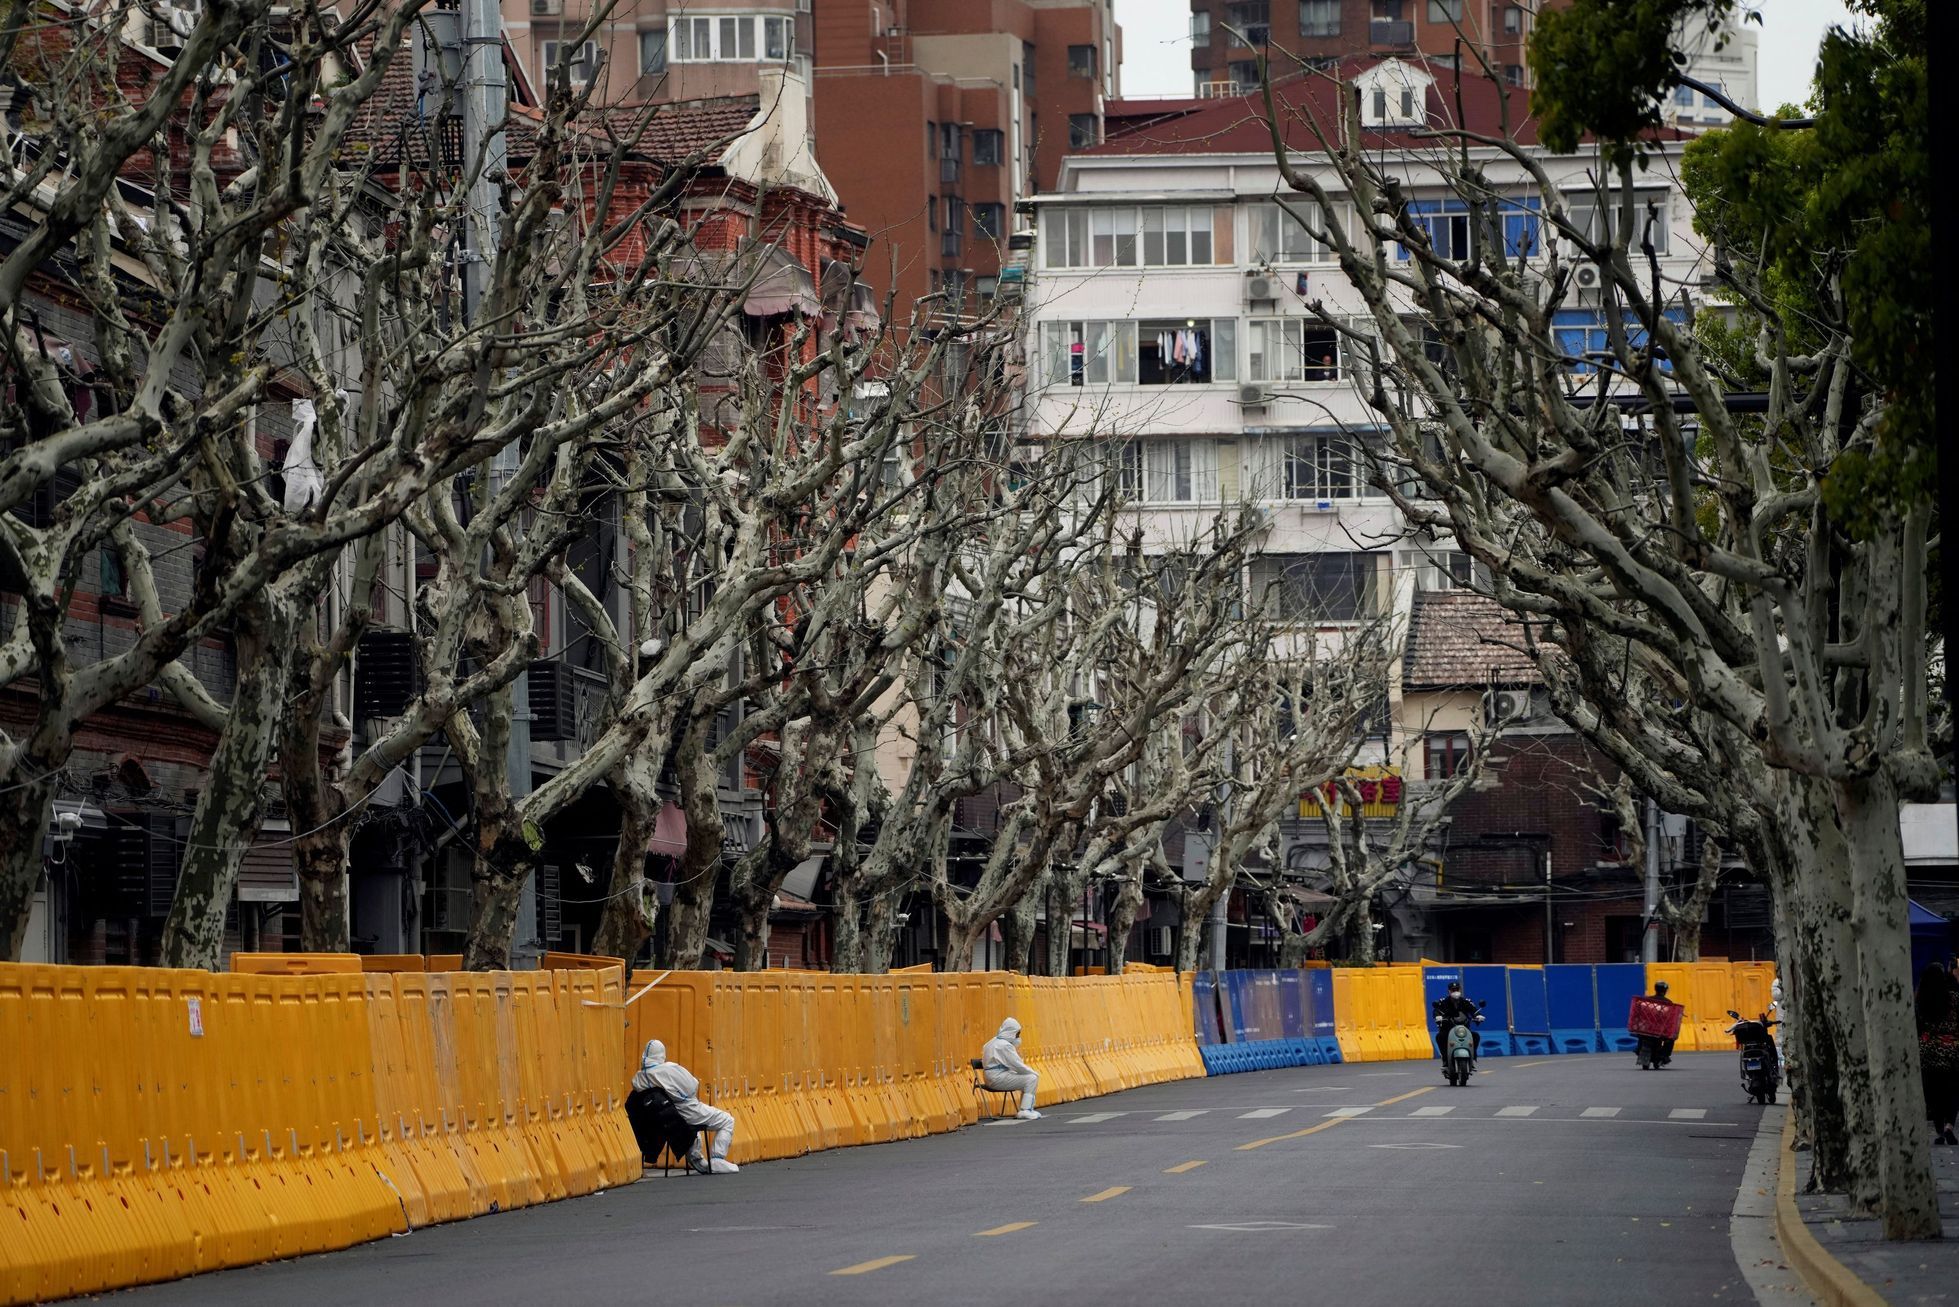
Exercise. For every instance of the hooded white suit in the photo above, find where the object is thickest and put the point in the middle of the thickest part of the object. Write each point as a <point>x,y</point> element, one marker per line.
<point>681,1086</point>
<point>1005,1069</point>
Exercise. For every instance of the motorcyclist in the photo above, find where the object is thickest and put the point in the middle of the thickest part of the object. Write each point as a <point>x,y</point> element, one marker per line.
<point>1450,1010</point>
<point>1666,1045</point>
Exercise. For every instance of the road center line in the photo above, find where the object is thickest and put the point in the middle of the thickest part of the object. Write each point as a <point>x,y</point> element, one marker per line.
<point>1402,1098</point>
<point>875,1264</point>
<point>1181,1167</point>
<point>1334,1121</point>
<point>1113,1191</point>
<point>1008,1228</point>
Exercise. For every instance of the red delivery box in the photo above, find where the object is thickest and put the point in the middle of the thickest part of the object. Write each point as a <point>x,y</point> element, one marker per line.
<point>1654,1017</point>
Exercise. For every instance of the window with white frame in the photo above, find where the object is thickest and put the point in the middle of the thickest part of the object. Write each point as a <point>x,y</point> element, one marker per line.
<point>1319,17</point>
<point>1319,468</point>
<point>1278,235</point>
<point>732,38</point>
<point>1080,237</point>
<point>1322,587</point>
<point>1585,213</point>
<point>1090,353</point>
<point>1186,351</point>
<point>1179,471</point>
<point>584,59</point>
<point>1293,349</point>
<point>1445,223</point>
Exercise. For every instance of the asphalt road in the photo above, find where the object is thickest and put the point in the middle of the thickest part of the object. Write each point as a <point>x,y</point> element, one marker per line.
<point>1547,1180</point>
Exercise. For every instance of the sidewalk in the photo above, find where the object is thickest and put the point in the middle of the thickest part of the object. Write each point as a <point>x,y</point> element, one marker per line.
<point>1901,1273</point>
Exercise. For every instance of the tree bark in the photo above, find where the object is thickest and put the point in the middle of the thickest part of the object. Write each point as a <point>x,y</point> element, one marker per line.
<point>228,809</point>
<point>320,858</point>
<point>504,861</point>
<point>880,933</point>
<point>700,864</point>
<point>630,913</point>
<point>1066,888</point>
<point>847,929</point>
<point>24,812</point>
<point>1122,920</point>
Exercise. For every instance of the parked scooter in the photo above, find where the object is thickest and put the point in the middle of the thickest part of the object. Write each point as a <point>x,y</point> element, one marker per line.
<point>1459,1046</point>
<point>1761,1064</point>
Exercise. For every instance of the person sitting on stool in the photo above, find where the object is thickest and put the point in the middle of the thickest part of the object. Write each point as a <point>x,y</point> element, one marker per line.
<point>680,1085</point>
<point>1006,1071</point>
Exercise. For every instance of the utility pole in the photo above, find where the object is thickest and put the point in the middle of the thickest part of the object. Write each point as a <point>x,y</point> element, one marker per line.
<point>1649,940</point>
<point>1550,926</point>
<point>485,166</point>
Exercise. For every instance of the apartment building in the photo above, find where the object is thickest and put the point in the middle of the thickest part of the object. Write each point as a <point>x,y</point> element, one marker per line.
<point>647,51</point>
<point>1227,35</point>
<point>1728,63</point>
<point>937,118</point>
<point>1167,315</point>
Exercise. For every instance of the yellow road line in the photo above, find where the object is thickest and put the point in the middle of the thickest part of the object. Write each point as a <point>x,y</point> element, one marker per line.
<point>1328,1125</point>
<point>1008,1228</point>
<point>1179,1170</point>
<point>875,1264</point>
<point>1113,1191</point>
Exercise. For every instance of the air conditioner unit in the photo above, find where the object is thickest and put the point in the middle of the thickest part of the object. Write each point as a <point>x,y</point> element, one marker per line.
<point>1587,276</point>
<point>547,7</point>
<point>1253,396</point>
<point>1159,941</point>
<point>1262,288</point>
<point>1516,707</point>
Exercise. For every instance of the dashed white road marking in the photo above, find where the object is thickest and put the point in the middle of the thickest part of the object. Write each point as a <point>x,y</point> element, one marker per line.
<point>1687,1114</point>
<point>1434,1111</point>
<point>1350,1111</point>
<point>1263,1113</point>
<point>1093,1117</point>
<point>1515,1111</point>
<point>1183,1116</point>
<point>1600,1111</point>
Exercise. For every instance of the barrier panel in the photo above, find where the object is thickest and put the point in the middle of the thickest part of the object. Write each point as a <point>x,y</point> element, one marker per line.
<point>1616,984</point>
<point>1571,1004</point>
<point>157,1123</point>
<point>1347,1016</point>
<point>1679,977</point>
<point>1320,1013</point>
<point>1530,1016</point>
<point>1754,985</point>
<point>1480,984</point>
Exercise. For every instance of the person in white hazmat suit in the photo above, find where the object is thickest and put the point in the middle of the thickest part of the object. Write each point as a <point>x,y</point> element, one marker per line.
<point>1005,1069</point>
<point>681,1086</point>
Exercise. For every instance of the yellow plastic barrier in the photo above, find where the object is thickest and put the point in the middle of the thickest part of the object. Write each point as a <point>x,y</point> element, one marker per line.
<point>1348,1021</point>
<point>1679,977</point>
<point>1753,987</point>
<point>159,1123</point>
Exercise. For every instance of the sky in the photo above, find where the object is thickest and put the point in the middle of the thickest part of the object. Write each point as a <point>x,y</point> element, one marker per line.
<point>1156,46</point>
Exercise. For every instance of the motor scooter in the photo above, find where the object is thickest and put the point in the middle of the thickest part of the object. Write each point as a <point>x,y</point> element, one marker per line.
<point>1458,1046</point>
<point>1761,1064</point>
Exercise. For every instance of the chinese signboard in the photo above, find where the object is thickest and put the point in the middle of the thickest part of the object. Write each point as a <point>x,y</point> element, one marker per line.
<point>1379,789</point>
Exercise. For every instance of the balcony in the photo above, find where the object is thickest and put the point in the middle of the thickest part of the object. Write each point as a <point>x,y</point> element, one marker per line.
<point>1388,32</point>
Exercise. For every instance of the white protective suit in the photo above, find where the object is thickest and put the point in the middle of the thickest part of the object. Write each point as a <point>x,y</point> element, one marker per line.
<point>1005,1069</point>
<point>681,1086</point>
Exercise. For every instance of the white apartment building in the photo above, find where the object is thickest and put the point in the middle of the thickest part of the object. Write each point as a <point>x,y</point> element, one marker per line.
<point>1167,309</point>
<point>1728,63</point>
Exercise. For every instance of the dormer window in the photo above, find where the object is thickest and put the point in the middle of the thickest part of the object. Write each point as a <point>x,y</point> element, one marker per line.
<point>1393,94</point>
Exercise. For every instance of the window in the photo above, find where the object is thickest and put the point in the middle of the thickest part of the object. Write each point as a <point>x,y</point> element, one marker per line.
<point>1318,468</point>
<point>1244,72</point>
<point>1114,238</point>
<point>1279,237</point>
<point>1090,353</point>
<point>989,220</point>
<point>1523,235</point>
<point>988,146</point>
<point>1082,130</point>
<point>1182,471</point>
<point>985,287</point>
<point>1252,18</point>
<point>1445,223</point>
<point>652,53</point>
<point>1445,11</point>
<point>1319,17</point>
<point>1200,28</point>
<point>1513,19</point>
<point>732,38</point>
<point>1579,333</point>
<point>1513,74</point>
<point>1186,352</point>
<point>1294,349</point>
<point>1328,587</point>
<point>1081,61</point>
<point>1027,64</point>
<point>1584,214</point>
<point>584,60</point>
<point>1444,755</point>
<point>1684,95</point>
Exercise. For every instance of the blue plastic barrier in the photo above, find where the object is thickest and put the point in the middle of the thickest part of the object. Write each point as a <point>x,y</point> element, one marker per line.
<point>1530,1017</point>
<point>1259,1020</point>
<point>1617,984</point>
<point>1480,984</point>
<point>1292,1020</point>
<point>1319,1014</point>
<point>1571,1004</point>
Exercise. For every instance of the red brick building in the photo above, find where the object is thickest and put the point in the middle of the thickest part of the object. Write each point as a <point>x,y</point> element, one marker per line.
<point>1228,35</point>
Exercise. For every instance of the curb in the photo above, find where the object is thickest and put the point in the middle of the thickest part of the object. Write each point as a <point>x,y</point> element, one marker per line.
<point>1833,1283</point>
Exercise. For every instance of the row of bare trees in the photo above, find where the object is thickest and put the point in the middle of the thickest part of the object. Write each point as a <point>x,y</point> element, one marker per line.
<point>824,536</point>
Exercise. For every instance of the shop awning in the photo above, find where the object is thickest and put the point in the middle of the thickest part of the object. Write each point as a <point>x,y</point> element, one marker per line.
<point>802,880</point>
<point>669,835</point>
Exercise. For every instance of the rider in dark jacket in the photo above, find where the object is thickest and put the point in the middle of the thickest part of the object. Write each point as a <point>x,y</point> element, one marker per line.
<point>1450,1010</point>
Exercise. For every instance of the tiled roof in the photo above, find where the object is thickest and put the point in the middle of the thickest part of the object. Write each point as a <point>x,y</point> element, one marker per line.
<point>1237,125</point>
<point>1456,638</point>
<point>684,127</point>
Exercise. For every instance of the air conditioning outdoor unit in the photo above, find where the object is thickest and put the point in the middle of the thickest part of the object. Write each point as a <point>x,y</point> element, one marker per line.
<point>1587,276</point>
<point>1159,941</point>
<point>1262,288</point>
<point>543,7</point>
<point>1253,396</point>
<point>1516,707</point>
